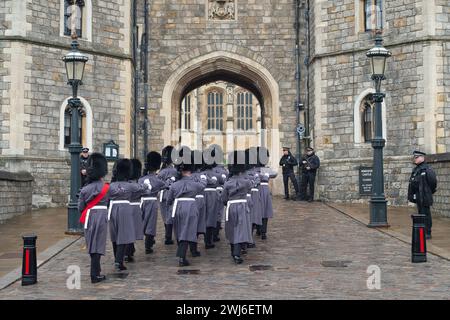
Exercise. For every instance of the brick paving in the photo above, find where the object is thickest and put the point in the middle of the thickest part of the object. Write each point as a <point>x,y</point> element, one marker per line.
<point>303,239</point>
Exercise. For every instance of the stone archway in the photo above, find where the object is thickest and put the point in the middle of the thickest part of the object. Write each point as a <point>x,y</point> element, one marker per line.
<point>232,67</point>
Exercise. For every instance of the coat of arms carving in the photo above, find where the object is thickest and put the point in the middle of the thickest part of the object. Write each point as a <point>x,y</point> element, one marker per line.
<point>221,10</point>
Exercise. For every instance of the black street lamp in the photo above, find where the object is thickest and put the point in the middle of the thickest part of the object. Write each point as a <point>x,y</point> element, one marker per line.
<point>75,62</point>
<point>378,206</point>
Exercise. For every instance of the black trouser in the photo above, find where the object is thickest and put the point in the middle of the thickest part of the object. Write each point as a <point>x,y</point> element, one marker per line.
<point>427,212</point>
<point>217,229</point>
<point>119,252</point>
<point>130,250</point>
<point>286,177</point>
<point>209,235</point>
<point>95,264</point>
<point>193,247</point>
<point>149,241</point>
<point>236,249</point>
<point>169,228</point>
<point>308,179</point>
<point>264,225</point>
<point>182,248</point>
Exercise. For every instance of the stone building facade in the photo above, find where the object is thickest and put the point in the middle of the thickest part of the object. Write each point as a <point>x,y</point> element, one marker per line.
<point>250,44</point>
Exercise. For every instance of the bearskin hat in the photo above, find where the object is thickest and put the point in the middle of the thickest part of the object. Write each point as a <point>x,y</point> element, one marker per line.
<point>263,156</point>
<point>212,156</point>
<point>166,155</point>
<point>136,169</point>
<point>97,166</point>
<point>122,170</point>
<point>185,159</point>
<point>237,162</point>
<point>153,162</point>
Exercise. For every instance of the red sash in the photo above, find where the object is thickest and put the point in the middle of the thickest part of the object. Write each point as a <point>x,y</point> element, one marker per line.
<point>94,202</point>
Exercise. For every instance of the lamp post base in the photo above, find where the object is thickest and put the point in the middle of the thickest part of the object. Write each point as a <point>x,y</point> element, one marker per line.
<point>378,213</point>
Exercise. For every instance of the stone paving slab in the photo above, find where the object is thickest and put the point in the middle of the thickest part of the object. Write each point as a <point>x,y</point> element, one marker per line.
<point>305,241</point>
<point>400,225</point>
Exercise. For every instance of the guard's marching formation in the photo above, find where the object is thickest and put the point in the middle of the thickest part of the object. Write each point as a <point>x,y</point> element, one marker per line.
<point>194,193</point>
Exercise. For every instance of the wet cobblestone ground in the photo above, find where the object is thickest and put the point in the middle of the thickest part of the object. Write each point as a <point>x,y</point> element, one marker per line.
<point>312,252</point>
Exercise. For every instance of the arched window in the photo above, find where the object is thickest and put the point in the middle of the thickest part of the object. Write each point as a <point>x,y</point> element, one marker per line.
<point>373,15</point>
<point>244,111</point>
<point>81,126</point>
<point>215,111</point>
<point>187,113</point>
<point>368,123</point>
<point>84,124</point>
<point>69,12</point>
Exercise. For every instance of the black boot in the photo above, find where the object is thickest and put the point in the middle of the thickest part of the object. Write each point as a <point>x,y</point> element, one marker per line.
<point>263,236</point>
<point>119,267</point>
<point>183,262</point>
<point>237,259</point>
<point>96,279</point>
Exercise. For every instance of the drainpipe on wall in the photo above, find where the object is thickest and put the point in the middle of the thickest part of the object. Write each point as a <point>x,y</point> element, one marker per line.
<point>298,105</point>
<point>307,62</point>
<point>136,78</point>
<point>145,65</point>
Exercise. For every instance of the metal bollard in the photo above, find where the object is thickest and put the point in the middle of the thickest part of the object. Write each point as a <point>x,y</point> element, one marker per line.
<point>418,245</point>
<point>29,260</point>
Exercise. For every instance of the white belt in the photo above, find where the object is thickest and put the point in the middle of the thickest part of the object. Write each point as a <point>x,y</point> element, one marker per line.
<point>89,211</point>
<point>147,199</point>
<point>230,202</point>
<point>255,189</point>
<point>210,189</point>
<point>220,188</point>
<point>161,196</point>
<point>113,202</point>
<point>175,204</point>
<point>264,183</point>
<point>135,203</point>
<point>199,196</point>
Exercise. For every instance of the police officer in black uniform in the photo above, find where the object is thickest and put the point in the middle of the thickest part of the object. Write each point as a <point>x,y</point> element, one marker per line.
<point>310,163</point>
<point>288,162</point>
<point>422,185</point>
<point>83,166</point>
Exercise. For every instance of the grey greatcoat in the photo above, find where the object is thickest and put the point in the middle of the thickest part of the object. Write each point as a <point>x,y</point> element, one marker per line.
<point>200,199</point>
<point>96,225</point>
<point>168,175</point>
<point>135,203</point>
<point>149,202</point>
<point>121,219</point>
<point>212,197</point>
<point>237,224</point>
<point>181,195</point>
<point>255,210</point>
<point>265,195</point>
<point>223,174</point>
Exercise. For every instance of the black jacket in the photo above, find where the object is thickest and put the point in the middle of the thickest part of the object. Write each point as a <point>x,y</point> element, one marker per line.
<point>312,161</point>
<point>422,185</point>
<point>288,163</point>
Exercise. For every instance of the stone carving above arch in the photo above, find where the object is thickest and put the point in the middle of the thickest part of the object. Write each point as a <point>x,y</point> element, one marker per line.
<point>222,10</point>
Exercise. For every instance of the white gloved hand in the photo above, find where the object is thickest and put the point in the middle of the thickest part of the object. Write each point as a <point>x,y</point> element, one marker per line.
<point>214,178</point>
<point>148,184</point>
<point>173,179</point>
<point>203,177</point>
<point>267,174</point>
<point>224,176</point>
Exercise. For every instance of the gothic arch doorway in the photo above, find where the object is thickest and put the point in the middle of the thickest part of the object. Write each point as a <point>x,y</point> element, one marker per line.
<point>232,68</point>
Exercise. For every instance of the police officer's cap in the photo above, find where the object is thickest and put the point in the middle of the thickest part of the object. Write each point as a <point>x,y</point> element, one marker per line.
<point>309,149</point>
<point>419,153</point>
<point>85,149</point>
<point>286,148</point>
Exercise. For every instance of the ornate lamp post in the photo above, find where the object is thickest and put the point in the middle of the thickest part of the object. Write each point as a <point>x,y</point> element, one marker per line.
<point>75,62</point>
<point>378,208</point>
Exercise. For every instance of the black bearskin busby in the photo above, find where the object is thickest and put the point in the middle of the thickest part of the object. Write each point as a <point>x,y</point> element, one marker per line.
<point>153,162</point>
<point>263,156</point>
<point>122,170</point>
<point>166,156</point>
<point>237,162</point>
<point>136,169</point>
<point>97,167</point>
<point>184,160</point>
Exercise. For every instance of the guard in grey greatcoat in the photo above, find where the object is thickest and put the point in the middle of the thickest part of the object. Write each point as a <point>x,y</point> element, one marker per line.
<point>222,172</point>
<point>120,214</point>
<point>181,195</point>
<point>135,203</point>
<point>252,173</point>
<point>92,203</point>
<point>199,176</point>
<point>212,203</point>
<point>168,174</point>
<point>149,202</point>
<point>264,191</point>
<point>234,195</point>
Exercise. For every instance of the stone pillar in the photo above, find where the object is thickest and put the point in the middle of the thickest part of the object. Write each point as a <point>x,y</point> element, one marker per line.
<point>230,119</point>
